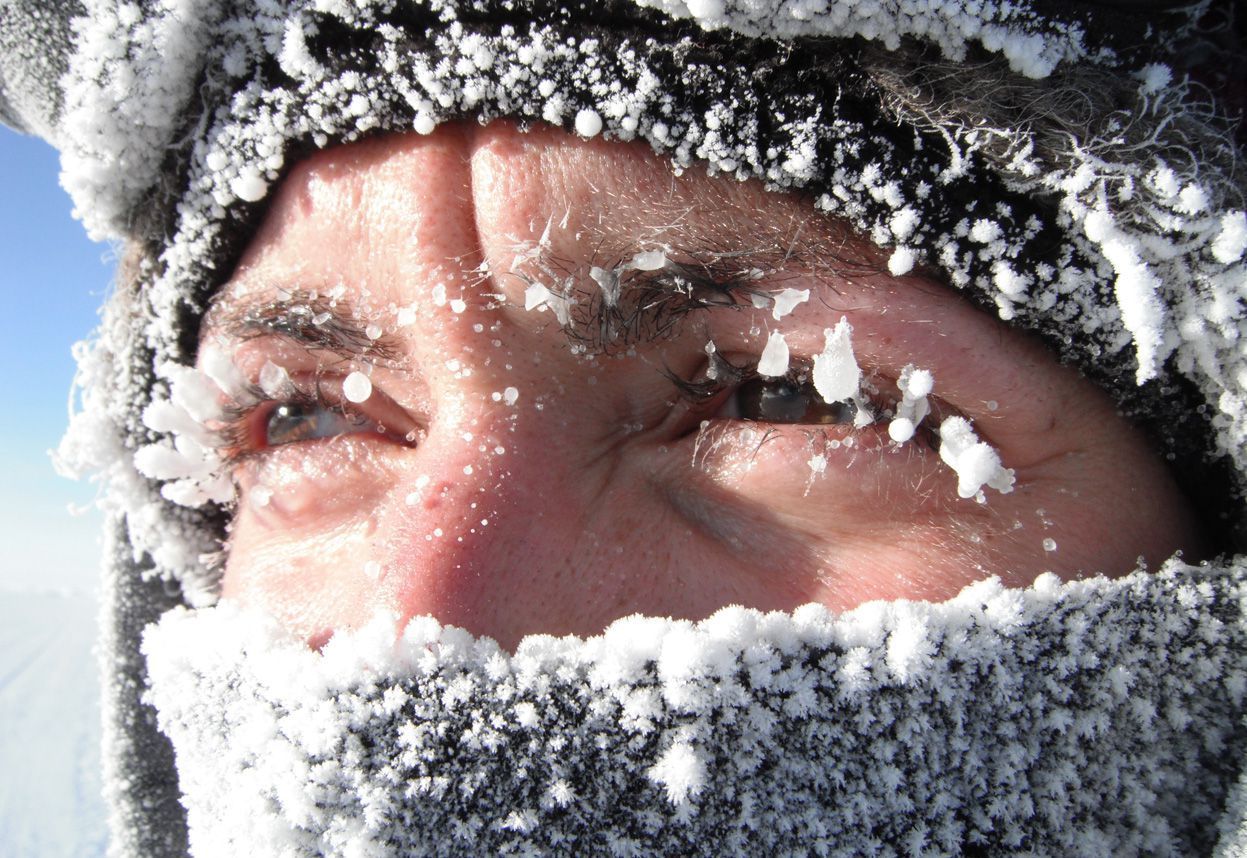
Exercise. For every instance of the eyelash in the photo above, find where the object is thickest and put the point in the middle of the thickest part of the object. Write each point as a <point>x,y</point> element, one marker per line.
<point>654,303</point>
<point>723,377</point>
<point>243,436</point>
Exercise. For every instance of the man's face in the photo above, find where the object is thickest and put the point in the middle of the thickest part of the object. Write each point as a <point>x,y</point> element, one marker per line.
<point>440,431</point>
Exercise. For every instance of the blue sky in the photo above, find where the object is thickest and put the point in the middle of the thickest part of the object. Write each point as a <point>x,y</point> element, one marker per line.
<point>52,281</point>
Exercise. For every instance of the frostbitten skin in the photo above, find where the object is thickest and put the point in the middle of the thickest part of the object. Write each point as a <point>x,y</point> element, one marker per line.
<point>511,474</point>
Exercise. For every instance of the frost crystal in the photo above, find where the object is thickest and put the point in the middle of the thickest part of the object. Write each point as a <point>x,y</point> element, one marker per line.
<point>681,771</point>
<point>745,733</point>
<point>977,464</point>
<point>837,376</point>
<point>774,360</point>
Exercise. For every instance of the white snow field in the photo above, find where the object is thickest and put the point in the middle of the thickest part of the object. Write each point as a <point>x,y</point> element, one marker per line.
<point>50,803</point>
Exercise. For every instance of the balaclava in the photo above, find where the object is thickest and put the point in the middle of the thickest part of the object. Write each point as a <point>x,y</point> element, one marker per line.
<point>1096,717</point>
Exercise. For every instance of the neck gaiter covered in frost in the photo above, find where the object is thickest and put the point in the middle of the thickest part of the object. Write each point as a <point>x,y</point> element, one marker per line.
<point>1089,718</point>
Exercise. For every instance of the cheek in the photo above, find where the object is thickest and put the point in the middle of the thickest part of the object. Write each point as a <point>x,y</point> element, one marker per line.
<point>847,517</point>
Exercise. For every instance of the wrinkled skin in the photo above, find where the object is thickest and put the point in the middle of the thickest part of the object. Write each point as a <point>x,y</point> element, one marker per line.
<point>594,491</point>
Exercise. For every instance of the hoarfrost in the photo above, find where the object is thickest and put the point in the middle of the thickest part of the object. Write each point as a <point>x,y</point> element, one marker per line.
<point>774,360</point>
<point>902,261</point>
<point>588,123</point>
<point>1227,248</point>
<point>681,771</point>
<point>701,738</point>
<point>837,377</point>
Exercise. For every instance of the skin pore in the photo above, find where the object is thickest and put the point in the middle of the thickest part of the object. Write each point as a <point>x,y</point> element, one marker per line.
<point>512,474</point>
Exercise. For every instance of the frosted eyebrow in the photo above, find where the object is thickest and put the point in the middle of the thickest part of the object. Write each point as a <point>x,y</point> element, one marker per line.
<point>650,305</point>
<point>308,319</point>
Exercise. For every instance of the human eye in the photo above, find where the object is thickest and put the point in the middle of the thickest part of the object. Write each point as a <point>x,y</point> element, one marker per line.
<point>789,399</point>
<point>733,390</point>
<point>819,427</point>
<point>304,410</point>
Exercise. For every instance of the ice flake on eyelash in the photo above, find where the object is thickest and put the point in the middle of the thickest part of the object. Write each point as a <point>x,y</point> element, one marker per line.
<point>649,260</point>
<point>837,377</point>
<point>774,360</point>
<point>608,280</point>
<point>915,384</point>
<point>538,296</point>
<point>976,463</point>
<point>275,381</point>
<point>406,316</point>
<point>787,301</point>
<point>357,387</point>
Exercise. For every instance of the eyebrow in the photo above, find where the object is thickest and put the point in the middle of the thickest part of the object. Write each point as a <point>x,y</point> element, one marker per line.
<point>310,319</point>
<point>652,305</point>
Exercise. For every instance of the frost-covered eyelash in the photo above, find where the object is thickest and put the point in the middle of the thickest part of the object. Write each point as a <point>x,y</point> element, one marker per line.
<point>722,376</point>
<point>627,304</point>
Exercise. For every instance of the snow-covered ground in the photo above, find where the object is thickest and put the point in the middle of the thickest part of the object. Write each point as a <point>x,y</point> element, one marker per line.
<point>50,802</point>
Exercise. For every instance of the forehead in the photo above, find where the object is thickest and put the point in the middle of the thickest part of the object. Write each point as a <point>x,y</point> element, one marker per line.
<point>384,216</point>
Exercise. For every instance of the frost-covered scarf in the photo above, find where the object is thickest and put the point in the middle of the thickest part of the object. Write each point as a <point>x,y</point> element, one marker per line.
<point>1050,158</point>
<point>1093,718</point>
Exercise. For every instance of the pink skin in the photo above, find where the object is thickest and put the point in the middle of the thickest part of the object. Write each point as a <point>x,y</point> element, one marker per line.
<point>604,501</point>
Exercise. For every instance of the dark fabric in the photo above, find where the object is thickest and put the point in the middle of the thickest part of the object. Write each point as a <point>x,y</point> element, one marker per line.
<point>140,777</point>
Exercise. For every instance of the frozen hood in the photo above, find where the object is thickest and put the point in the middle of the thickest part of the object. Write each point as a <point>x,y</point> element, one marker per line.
<point>1085,718</point>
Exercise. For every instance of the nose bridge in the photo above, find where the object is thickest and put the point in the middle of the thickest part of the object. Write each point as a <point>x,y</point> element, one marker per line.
<point>487,525</point>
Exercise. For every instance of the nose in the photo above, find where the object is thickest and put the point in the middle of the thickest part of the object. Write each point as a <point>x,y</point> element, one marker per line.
<point>523,524</point>
<point>526,510</point>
